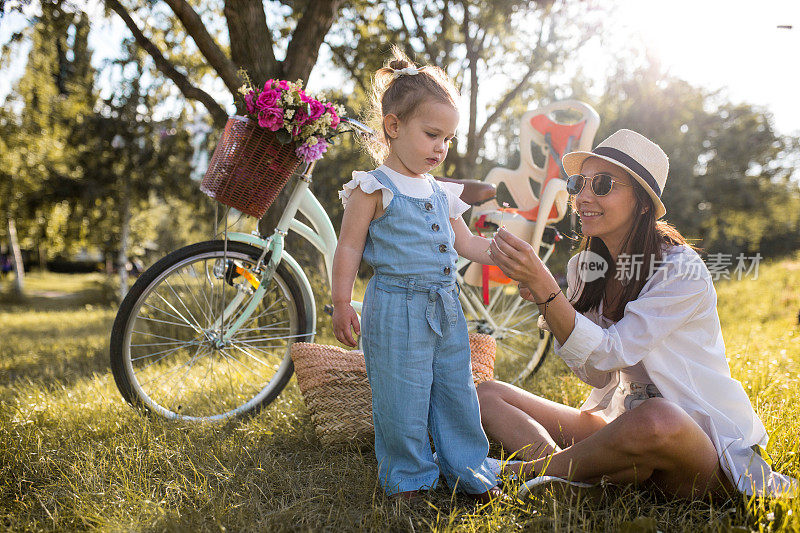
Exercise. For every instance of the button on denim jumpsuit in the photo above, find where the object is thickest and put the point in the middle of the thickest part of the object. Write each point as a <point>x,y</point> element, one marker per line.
<point>417,351</point>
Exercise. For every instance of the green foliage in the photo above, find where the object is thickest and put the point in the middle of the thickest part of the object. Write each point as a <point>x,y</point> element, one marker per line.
<point>39,158</point>
<point>73,164</point>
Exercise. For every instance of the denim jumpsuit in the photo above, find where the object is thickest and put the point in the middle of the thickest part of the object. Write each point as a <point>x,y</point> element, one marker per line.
<point>417,351</point>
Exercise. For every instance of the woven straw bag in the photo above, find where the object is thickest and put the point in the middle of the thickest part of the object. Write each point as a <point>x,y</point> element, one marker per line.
<point>336,391</point>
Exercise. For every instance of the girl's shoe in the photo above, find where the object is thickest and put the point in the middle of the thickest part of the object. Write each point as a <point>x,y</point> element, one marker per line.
<point>557,484</point>
<point>495,465</point>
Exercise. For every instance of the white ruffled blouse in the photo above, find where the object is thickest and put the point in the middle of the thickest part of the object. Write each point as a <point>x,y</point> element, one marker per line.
<point>672,330</point>
<point>414,187</point>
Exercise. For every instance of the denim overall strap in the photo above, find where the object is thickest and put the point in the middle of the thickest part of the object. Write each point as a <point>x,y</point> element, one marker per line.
<point>385,180</point>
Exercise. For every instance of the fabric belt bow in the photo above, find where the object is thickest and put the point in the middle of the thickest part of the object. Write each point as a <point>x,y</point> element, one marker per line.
<point>448,303</point>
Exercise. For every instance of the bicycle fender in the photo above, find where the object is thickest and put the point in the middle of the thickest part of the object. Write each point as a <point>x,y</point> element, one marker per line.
<point>305,286</point>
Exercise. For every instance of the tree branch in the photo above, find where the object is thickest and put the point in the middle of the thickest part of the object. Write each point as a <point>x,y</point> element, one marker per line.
<point>472,60</point>
<point>402,19</point>
<point>208,47</point>
<point>308,36</point>
<point>510,95</point>
<point>420,32</point>
<point>246,22</point>
<point>445,24</point>
<point>351,67</point>
<point>184,85</point>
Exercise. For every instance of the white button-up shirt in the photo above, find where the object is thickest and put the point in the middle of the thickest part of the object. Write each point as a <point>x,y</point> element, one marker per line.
<point>672,328</point>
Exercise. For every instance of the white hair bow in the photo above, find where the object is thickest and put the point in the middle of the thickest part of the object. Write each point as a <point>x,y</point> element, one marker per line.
<point>408,71</point>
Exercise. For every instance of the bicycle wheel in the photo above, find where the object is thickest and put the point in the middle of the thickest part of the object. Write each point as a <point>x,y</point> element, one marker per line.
<point>167,352</point>
<point>521,350</point>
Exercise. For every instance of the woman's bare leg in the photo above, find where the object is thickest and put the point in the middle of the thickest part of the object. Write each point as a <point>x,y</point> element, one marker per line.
<point>523,421</point>
<point>656,441</point>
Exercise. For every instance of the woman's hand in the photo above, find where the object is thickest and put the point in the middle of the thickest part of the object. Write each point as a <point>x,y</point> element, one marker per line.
<point>525,293</point>
<point>345,317</point>
<point>517,260</point>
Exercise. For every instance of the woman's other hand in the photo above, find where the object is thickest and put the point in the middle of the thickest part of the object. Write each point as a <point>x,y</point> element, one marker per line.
<point>524,292</point>
<point>345,318</point>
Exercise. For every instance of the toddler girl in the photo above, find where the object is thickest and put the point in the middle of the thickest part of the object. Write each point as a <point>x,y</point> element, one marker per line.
<point>408,227</point>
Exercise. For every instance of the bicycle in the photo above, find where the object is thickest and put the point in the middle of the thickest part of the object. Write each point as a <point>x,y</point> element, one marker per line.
<point>205,333</point>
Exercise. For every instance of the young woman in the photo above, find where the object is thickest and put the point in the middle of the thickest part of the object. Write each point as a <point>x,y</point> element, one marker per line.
<point>644,333</point>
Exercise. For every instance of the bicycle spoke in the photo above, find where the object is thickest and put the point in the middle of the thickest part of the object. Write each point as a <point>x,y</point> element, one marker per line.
<point>520,319</point>
<point>157,344</point>
<point>165,322</point>
<point>267,327</point>
<point>174,371</point>
<point>195,326</point>
<point>167,352</point>
<point>251,356</point>
<point>156,336</point>
<point>146,304</point>
<point>261,348</point>
<point>182,389</point>
<point>197,322</point>
<point>202,292</point>
<point>230,357</point>
<point>507,346</point>
<point>199,307</point>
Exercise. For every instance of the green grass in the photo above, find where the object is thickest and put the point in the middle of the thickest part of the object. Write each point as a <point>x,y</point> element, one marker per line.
<point>73,455</point>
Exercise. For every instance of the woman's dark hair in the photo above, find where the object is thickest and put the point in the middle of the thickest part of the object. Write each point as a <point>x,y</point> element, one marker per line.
<point>645,240</point>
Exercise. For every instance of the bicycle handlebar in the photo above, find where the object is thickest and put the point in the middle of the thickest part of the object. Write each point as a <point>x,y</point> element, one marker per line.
<point>359,127</point>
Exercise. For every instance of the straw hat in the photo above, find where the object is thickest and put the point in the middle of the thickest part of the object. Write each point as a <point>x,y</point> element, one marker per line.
<point>637,155</point>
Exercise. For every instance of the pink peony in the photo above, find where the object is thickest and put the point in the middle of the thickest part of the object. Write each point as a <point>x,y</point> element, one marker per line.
<point>317,109</point>
<point>250,101</point>
<point>313,152</point>
<point>267,99</point>
<point>271,118</point>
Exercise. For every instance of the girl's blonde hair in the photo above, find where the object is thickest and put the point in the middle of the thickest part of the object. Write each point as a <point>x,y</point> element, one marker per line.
<point>402,96</point>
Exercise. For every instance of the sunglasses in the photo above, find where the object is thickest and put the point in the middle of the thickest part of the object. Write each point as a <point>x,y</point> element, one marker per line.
<point>601,184</point>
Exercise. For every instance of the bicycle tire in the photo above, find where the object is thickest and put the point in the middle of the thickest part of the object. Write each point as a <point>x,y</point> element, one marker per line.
<point>174,306</point>
<point>521,351</point>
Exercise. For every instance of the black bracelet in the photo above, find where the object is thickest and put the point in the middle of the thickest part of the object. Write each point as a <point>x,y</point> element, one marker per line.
<point>552,297</point>
<point>544,303</point>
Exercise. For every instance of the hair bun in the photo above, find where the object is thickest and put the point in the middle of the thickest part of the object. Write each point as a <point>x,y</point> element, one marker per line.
<point>399,64</point>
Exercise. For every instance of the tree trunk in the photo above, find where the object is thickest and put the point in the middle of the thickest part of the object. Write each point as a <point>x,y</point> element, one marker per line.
<point>125,208</point>
<point>16,258</point>
<point>308,36</point>
<point>42,257</point>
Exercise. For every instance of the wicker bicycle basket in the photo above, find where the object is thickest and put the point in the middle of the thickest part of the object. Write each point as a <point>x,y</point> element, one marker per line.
<point>336,391</point>
<point>249,167</point>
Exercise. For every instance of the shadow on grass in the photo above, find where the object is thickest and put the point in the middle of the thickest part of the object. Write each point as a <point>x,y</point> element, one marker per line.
<point>57,332</point>
<point>55,300</point>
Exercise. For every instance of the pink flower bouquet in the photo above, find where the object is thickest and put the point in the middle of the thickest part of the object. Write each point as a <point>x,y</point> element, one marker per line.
<point>283,107</point>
